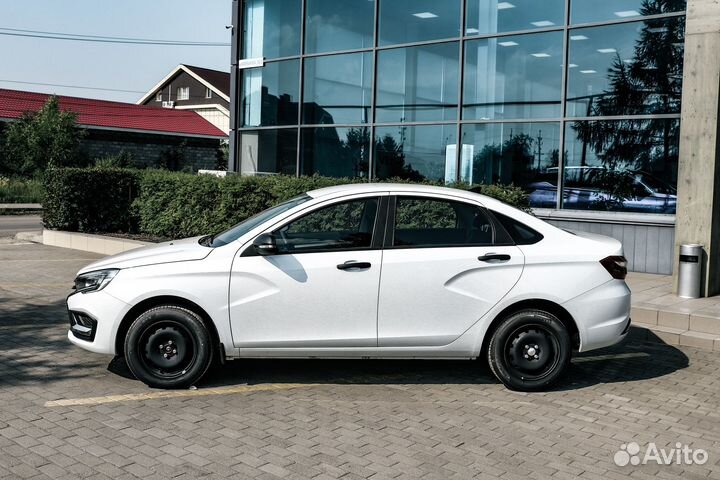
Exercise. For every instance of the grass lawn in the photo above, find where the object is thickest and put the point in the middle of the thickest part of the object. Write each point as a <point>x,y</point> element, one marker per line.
<point>20,190</point>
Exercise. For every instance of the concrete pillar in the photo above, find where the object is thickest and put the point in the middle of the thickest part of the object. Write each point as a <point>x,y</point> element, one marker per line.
<point>235,94</point>
<point>698,207</point>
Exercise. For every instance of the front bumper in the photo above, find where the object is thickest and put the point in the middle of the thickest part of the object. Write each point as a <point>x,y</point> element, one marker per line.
<point>94,320</point>
<point>82,326</point>
<point>602,315</point>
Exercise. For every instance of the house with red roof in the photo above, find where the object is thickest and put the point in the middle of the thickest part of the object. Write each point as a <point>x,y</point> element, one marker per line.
<point>141,131</point>
<point>201,90</point>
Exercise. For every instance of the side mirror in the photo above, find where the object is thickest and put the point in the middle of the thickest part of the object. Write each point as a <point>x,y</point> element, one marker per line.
<point>265,244</point>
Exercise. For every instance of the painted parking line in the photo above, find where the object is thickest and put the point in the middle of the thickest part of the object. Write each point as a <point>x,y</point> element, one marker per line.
<point>138,397</point>
<point>47,260</point>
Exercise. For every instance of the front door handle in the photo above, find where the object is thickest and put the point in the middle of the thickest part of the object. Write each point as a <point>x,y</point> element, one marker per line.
<point>352,264</point>
<point>494,257</point>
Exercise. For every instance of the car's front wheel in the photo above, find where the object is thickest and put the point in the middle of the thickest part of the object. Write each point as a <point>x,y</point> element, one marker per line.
<point>529,350</point>
<point>168,347</point>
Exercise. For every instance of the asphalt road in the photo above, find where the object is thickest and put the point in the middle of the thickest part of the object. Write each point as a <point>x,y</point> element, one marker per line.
<point>12,224</point>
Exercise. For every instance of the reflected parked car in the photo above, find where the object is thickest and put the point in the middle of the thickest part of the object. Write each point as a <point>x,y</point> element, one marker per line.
<point>583,191</point>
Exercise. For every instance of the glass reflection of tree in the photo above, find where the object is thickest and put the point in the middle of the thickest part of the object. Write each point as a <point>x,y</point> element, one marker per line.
<point>648,83</point>
<point>391,159</point>
<point>340,156</point>
<point>355,150</point>
<point>518,160</point>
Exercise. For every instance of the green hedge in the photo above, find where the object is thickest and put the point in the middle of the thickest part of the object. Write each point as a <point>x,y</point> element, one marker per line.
<point>90,199</point>
<point>175,205</point>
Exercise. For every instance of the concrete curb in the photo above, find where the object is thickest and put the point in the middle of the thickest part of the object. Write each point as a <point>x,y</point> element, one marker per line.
<point>675,337</point>
<point>90,243</point>
<point>20,206</point>
<point>34,237</point>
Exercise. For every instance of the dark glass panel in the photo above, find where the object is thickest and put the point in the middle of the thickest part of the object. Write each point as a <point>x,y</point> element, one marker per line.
<point>524,154</point>
<point>422,152</point>
<point>513,77</point>
<point>337,89</point>
<point>586,11</point>
<point>268,151</point>
<point>418,83</point>
<point>425,222</point>
<point>335,152</point>
<point>341,226</point>
<point>407,21</point>
<point>270,94</point>
<point>332,25</point>
<point>494,16</point>
<point>520,233</point>
<point>271,28</point>
<point>627,69</point>
<point>626,165</point>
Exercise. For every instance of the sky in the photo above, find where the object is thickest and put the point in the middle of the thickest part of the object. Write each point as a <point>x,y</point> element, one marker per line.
<point>106,65</point>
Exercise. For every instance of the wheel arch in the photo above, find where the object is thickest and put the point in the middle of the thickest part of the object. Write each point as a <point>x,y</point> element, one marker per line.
<point>153,302</point>
<point>534,303</point>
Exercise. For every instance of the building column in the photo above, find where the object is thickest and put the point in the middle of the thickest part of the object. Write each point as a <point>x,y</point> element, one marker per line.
<point>698,205</point>
<point>235,95</point>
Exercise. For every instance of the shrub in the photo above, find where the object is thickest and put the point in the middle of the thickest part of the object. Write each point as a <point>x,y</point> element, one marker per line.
<point>13,190</point>
<point>175,205</point>
<point>49,137</point>
<point>90,199</point>
<point>119,160</point>
<point>509,194</point>
<point>172,204</point>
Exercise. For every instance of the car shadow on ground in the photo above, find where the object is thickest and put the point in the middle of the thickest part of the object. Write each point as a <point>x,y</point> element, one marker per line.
<point>629,361</point>
<point>641,356</point>
<point>34,348</point>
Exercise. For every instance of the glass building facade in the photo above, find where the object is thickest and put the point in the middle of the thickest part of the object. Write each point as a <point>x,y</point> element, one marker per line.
<point>575,101</point>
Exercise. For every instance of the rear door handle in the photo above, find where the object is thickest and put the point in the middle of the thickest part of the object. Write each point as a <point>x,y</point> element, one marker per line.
<point>494,257</point>
<point>352,264</point>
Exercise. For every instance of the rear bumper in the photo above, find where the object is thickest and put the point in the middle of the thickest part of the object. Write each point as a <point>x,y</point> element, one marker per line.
<point>602,315</point>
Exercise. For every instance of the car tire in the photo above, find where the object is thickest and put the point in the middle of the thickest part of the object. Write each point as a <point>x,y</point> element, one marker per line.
<point>168,347</point>
<point>529,350</point>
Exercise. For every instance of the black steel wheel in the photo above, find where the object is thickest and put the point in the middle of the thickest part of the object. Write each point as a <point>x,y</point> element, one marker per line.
<point>168,347</point>
<point>529,350</point>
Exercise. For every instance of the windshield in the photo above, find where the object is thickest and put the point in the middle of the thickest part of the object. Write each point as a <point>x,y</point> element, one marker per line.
<point>655,184</point>
<point>245,226</point>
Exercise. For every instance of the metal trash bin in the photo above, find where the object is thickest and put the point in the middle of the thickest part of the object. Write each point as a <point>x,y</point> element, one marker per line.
<point>690,271</point>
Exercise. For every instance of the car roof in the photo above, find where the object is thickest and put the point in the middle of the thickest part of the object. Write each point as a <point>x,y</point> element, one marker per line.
<point>354,188</point>
<point>488,202</point>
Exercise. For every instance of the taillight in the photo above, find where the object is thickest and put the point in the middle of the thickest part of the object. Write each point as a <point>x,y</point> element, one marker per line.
<point>616,266</point>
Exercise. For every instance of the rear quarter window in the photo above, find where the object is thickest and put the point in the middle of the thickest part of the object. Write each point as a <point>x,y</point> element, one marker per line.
<point>518,231</point>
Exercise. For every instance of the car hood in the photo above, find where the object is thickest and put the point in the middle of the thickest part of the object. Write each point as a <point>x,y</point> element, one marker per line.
<point>173,251</point>
<point>607,245</point>
<point>670,196</point>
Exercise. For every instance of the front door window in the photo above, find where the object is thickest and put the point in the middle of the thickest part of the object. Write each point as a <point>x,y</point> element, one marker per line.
<point>341,226</point>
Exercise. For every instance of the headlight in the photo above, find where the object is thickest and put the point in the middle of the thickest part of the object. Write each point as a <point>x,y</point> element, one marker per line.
<point>94,281</point>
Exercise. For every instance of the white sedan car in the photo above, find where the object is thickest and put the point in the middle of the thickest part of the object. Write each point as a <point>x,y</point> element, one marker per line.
<point>360,271</point>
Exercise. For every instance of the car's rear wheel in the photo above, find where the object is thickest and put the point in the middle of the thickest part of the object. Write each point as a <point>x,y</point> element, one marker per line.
<point>168,347</point>
<point>529,350</point>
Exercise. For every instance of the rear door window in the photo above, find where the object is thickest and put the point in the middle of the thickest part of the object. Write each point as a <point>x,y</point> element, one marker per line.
<point>432,222</point>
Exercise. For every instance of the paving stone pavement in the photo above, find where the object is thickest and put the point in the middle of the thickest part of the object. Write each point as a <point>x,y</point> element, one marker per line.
<point>335,419</point>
